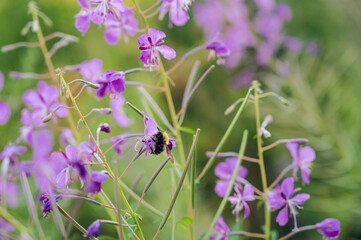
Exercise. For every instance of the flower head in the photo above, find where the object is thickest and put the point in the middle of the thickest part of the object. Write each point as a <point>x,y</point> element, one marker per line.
<point>112,81</point>
<point>149,45</point>
<point>329,228</point>
<point>45,199</point>
<point>43,102</point>
<point>93,229</point>
<point>124,26</point>
<point>283,196</point>
<point>240,198</point>
<point>178,14</point>
<point>262,130</point>
<point>94,182</point>
<point>219,49</point>
<point>224,171</point>
<point>222,230</point>
<point>302,158</point>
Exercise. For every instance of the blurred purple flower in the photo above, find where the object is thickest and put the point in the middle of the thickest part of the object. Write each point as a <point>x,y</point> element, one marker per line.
<point>27,131</point>
<point>224,171</point>
<point>91,70</point>
<point>67,137</point>
<point>64,163</point>
<point>293,44</point>
<point>87,151</point>
<point>112,81</point>
<point>11,151</point>
<point>5,226</point>
<point>218,49</point>
<point>126,26</point>
<point>283,11</point>
<point>150,44</point>
<point>116,103</point>
<point>282,196</point>
<point>4,108</point>
<point>240,198</point>
<point>119,140</point>
<point>312,47</point>
<point>329,228</point>
<point>221,230</point>
<point>94,182</point>
<point>243,78</point>
<point>43,102</point>
<point>93,229</point>
<point>302,158</point>
<point>9,190</point>
<point>177,9</point>
<point>45,199</point>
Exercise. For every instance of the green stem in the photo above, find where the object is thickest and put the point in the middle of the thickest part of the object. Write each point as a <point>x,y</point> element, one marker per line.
<point>248,234</point>
<point>230,187</point>
<point>12,220</point>
<point>226,135</point>
<point>267,214</point>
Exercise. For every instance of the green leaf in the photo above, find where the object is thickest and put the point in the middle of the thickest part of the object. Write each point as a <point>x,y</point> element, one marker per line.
<point>185,222</point>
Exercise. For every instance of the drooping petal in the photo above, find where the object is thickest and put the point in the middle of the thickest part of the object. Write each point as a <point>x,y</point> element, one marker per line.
<point>282,217</point>
<point>71,153</point>
<point>246,210</point>
<point>301,198</point>
<point>167,52</point>
<point>150,126</point>
<point>307,154</point>
<point>112,35</point>
<point>82,23</point>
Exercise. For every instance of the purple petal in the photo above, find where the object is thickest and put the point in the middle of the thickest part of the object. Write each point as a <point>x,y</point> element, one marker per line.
<point>178,16</point>
<point>248,192</point>
<point>287,187</point>
<point>282,217</point>
<point>167,52</point>
<point>329,227</point>
<point>246,210</point>
<point>301,198</point>
<point>42,145</point>
<point>118,4</point>
<point>84,4</point>
<point>155,35</point>
<point>150,126</point>
<point>93,229</point>
<point>71,153</point>
<point>5,113</point>
<point>48,93</point>
<point>275,200</point>
<point>82,23</point>
<point>98,176</point>
<point>63,178</point>
<point>112,35</point>
<point>90,70</point>
<point>117,83</point>
<point>221,187</point>
<point>307,154</point>
<point>305,173</point>
<point>221,226</point>
<point>32,99</point>
<point>143,40</point>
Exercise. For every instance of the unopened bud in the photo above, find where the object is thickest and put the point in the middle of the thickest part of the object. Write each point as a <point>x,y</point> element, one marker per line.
<point>104,127</point>
<point>47,118</point>
<point>92,85</point>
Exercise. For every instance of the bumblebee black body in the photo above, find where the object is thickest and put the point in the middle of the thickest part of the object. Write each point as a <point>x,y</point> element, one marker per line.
<point>159,142</point>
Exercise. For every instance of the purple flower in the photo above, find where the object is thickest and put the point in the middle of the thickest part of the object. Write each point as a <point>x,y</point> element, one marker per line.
<point>104,127</point>
<point>93,229</point>
<point>45,199</point>
<point>64,163</point>
<point>126,26</point>
<point>91,70</point>
<point>240,199</point>
<point>29,127</point>
<point>9,190</point>
<point>224,172</point>
<point>222,230</point>
<point>112,81</point>
<point>302,158</point>
<point>149,45</point>
<point>4,108</point>
<point>119,140</point>
<point>329,228</point>
<point>11,151</point>
<point>43,102</point>
<point>66,137</point>
<point>177,9</point>
<point>219,49</point>
<point>87,151</point>
<point>262,130</point>
<point>116,103</point>
<point>293,44</point>
<point>283,197</point>
<point>94,182</point>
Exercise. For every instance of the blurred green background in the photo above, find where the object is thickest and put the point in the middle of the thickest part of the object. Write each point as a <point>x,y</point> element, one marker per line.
<point>324,91</point>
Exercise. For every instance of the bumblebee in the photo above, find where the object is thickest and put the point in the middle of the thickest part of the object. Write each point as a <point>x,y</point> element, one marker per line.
<point>159,142</point>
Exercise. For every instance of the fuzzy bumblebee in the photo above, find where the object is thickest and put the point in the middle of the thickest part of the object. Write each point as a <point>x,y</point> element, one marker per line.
<point>159,142</point>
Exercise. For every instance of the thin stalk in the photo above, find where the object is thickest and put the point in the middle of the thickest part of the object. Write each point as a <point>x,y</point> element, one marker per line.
<point>31,205</point>
<point>248,234</point>
<point>301,229</point>
<point>174,212</point>
<point>280,177</point>
<point>116,199</point>
<point>230,187</point>
<point>232,154</point>
<point>141,15</point>
<point>272,145</point>
<point>193,185</point>
<point>180,184</point>
<point>225,137</point>
<point>106,165</point>
<point>39,33</point>
<point>267,214</point>
<point>185,56</point>
<point>151,7</point>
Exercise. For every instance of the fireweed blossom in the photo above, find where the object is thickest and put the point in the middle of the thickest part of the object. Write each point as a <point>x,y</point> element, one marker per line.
<point>282,197</point>
<point>149,45</point>
<point>111,81</point>
<point>94,182</point>
<point>45,199</point>
<point>64,163</point>
<point>88,150</point>
<point>4,108</point>
<point>221,230</point>
<point>151,139</point>
<point>96,14</point>
<point>302,158</point>
<point>218,49</point>
<point>120,141</point>
<point>177,9</point>
<point>43,102</point>
<point>10,160</point>
<point>93,229</point>
<point>240,198</point>
<point>224,171</point>
<point>329,228</point>
<point>117,102</point>
<point>124,26</point>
